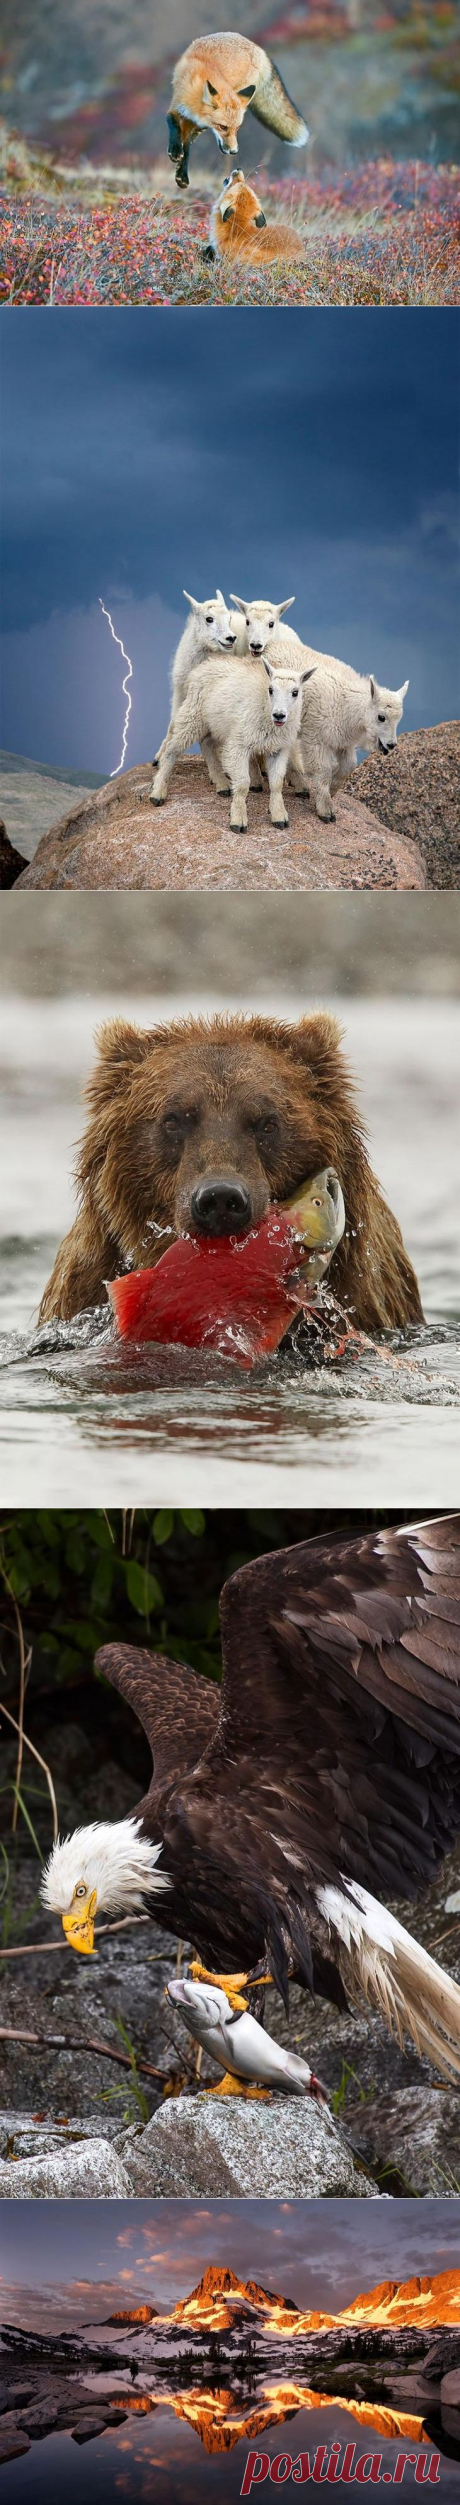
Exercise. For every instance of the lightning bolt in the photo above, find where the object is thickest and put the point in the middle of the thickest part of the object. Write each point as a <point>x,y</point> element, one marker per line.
<point>117,769</point>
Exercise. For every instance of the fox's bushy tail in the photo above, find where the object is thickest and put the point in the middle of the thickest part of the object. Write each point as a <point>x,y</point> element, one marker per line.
<point>272,106</point>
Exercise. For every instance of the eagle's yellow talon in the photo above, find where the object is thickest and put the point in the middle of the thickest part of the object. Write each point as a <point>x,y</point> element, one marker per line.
<point>231,2086</point>
<point>228,1983</point>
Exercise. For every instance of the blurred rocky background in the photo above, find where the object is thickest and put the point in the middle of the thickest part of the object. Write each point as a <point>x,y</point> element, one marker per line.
<point>373,77</point>
<point>313,947</point>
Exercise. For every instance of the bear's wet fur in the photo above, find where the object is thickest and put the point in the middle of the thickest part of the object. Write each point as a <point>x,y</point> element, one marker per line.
<point>245,1098</point>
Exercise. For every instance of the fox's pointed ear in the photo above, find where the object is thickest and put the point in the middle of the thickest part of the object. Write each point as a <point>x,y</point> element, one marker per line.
<point>285,604</point>
<point>238,604</point>
<point>193,604</point>
<point>209,93</point>
<point>248,91</point>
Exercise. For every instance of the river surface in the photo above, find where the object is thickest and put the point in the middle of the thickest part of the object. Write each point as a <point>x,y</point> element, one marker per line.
<point>71,1434</point>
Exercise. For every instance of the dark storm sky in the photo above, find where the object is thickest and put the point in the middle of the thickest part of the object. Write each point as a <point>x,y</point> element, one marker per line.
<point>297,451</point>
<point>83,2255</point>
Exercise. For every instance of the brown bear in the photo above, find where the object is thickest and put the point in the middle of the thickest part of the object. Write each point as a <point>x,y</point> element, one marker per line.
<point>197,1127</point>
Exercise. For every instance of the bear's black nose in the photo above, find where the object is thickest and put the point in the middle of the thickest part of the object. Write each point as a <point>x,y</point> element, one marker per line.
<point>219,1207</point>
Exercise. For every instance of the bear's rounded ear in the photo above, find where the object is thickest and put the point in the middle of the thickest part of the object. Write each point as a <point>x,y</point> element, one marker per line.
<point>122,1044</point>
<point>120,1049</point>
<point>317,1041</point>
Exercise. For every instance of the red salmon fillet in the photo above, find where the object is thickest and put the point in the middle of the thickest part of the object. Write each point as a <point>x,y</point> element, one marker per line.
<point>234,1293</point>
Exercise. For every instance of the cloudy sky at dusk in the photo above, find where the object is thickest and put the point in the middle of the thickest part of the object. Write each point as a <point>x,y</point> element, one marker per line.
<point>83,2257</point>
<point>140,454</point>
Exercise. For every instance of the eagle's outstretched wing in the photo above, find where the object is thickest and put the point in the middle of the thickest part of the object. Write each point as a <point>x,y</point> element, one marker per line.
<point>178,1710</point>
<point>338,1738</point>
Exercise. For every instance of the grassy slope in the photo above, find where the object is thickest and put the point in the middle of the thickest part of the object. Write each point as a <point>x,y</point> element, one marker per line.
<point>379,233</point>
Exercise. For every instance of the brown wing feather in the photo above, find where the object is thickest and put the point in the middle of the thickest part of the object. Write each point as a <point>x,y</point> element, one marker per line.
<point>178,1710</point>
<point>344,1741</point>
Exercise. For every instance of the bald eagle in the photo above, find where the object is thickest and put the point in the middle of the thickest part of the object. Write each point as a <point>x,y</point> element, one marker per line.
<point>321,1778</point>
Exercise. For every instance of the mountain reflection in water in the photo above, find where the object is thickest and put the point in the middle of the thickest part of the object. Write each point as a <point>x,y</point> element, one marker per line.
<point>155,2453</point>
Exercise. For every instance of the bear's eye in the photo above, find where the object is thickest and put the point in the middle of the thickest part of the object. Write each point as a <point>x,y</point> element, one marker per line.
<point>173,1125</point>
<point>381,717</point>
<point>267,1126</point>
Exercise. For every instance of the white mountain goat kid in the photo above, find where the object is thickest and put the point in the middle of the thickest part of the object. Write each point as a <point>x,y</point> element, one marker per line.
<point>246,711</point>
<point>210,628</point>
<point>344,712</point>
<point>261,623</point>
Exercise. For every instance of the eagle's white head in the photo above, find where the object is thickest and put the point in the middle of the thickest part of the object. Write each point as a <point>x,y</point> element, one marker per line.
<point>110,1867</point>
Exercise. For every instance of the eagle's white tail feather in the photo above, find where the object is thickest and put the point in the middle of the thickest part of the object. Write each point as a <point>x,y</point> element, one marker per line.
<point>396,1974</point>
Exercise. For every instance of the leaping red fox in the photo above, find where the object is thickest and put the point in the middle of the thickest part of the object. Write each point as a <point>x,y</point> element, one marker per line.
<point>215,81</point>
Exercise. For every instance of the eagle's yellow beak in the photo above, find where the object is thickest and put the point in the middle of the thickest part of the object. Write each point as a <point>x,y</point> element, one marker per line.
<point>79,1923</point>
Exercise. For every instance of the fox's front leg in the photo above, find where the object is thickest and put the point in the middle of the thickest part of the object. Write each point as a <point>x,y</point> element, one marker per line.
<point>180,138</point>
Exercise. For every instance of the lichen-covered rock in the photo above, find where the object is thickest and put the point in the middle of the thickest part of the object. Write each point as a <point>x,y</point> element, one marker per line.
<point>410,2139</point>
<point>91,2171</point>
<point>21,2136</point>
<point>288,2149</point>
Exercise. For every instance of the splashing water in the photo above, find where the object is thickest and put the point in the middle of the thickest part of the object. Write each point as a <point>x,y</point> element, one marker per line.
<point>117,769</point>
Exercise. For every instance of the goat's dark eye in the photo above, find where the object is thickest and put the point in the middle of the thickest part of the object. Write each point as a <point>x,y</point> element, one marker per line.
<point>381,717</point>
<point>271,622</point>
<point>210,621</point>
<point>295,691</point>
